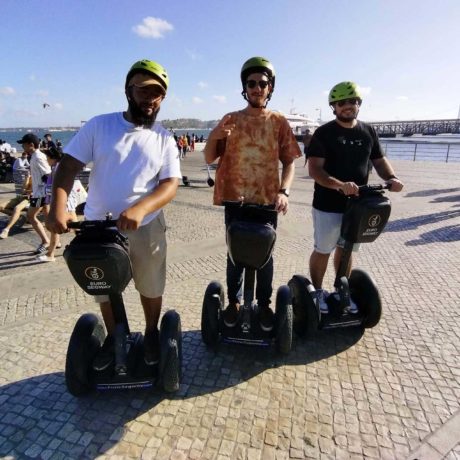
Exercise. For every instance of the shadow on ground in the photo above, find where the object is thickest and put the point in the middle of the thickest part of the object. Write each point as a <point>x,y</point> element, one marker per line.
<point>40,418</point>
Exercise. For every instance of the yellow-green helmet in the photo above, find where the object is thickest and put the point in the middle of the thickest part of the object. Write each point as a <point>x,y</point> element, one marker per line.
<point>258,65</point>
<point>151,67</point>
<point>344,90</point>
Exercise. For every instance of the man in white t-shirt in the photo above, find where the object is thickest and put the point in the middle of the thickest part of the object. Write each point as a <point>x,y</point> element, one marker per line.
<point>135,173</point>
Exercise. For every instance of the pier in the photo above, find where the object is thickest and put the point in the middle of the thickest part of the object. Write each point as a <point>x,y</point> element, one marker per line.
<point>408,128</point>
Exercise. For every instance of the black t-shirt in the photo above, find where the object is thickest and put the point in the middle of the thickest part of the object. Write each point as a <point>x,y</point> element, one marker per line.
<point>347,152</point>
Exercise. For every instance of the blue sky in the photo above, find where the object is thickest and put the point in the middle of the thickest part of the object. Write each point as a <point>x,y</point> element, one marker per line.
<point>74,55</point>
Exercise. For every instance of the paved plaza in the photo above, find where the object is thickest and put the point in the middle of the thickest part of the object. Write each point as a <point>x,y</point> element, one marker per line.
<point>390,393</point>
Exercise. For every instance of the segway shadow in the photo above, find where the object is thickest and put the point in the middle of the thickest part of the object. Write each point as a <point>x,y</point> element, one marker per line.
<point>364,219</point>
<point>99,262</point>
<point>250,244</point>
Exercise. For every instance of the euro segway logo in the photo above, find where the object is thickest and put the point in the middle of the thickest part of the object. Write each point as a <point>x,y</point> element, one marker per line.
<point>374,220</point>
<point>94,273</point>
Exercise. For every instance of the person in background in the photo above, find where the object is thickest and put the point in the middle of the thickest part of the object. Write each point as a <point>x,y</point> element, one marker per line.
<point>47,143</point>
<point>306,142</point>
<point>39,171</point>
<point>339,154</point>
<point>15,206</point>
<point>135,173</point>
<point>250,144</point>
<point>21,163</point>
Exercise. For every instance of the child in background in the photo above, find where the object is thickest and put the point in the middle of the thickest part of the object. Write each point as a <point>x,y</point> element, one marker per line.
<point>54,156</point>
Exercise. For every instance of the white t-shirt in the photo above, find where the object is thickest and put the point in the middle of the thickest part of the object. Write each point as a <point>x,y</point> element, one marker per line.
<point>127,163</point>
<point>39,166</point>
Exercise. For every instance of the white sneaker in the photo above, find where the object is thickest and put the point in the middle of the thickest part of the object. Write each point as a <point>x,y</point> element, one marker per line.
<point>321,295</point>
<point>45,258</point>
<point>4,234</point>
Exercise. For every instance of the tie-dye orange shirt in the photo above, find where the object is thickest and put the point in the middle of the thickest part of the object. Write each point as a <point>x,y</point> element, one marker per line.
<point>248,167</point>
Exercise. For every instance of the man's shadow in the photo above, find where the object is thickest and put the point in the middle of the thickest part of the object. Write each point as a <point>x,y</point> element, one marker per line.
<point>41,408</point>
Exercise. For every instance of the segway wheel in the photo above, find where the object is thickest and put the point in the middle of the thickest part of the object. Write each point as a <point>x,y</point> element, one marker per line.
<point>305,312</point>
<point>85,341</point>
<point>365,294</point>
<point>283,321</point>
<point>171,351</point>
<point>210,315</point>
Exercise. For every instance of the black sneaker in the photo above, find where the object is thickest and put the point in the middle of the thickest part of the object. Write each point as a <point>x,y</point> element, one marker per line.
<point>106,354</point>
<point>152,347</point>
<point>41,249</point>
<point>266,318</point>
<point>230,314</point>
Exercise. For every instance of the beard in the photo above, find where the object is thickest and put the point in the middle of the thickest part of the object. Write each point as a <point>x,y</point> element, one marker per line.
<point>140,118</point>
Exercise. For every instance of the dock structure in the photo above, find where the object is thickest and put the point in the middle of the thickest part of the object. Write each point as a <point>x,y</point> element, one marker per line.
<point>408,128</point>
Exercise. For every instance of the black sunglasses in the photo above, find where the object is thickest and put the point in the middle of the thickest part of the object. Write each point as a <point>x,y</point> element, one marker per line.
<point>253,83</point>
<point>352,101</point>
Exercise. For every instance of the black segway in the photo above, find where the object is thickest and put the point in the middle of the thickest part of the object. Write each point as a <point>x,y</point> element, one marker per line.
<point>250,244</point>
<point>364,219</point>
<point>99,262</point>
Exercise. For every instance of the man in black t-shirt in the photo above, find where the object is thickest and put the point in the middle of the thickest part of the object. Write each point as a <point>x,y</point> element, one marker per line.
<point>339,155</point>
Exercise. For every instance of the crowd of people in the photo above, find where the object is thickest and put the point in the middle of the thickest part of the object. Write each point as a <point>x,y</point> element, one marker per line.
<point>129,148</point>
<point>186,143</point>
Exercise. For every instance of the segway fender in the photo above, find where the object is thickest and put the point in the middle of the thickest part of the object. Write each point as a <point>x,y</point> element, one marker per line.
<point>305,311</point>
<point>283,320</point>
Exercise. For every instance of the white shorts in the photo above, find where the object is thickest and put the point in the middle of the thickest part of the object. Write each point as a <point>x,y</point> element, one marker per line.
<point>326,235</point>
<point>147,251</point>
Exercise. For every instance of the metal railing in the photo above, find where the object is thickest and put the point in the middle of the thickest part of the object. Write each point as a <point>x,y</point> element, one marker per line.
<point>422,151</point>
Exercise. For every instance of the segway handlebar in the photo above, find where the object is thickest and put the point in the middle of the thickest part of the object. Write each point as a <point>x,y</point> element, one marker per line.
<point>244,204</point>
<point>93,224</point>
<point>373,187</point>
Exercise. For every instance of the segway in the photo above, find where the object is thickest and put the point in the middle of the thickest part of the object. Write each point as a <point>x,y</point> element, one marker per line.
<point>250,244</point>
<point>363,221</point>
<point>99,262</point>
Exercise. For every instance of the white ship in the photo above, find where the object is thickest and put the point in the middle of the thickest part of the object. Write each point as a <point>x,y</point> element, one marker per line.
<point>299,123</point>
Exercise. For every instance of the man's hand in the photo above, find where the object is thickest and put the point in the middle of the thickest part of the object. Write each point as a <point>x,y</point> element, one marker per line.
<point>130,219</point>
<point>281,203</point>
<point>349,188</point>
<point>224,128</point>
<point>56,222</point>
<point>395,185</point>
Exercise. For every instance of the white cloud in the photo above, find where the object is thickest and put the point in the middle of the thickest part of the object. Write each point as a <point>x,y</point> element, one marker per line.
<point>58,106</point>
<point>32,77</point>
<point>365,90</point>
<point>197,100</point>
<point>220,99</point>
<point>7,90</point>
<point>42,93</point>
<point>152,28</point>
<point>202,84</point>
<point>402,98</point>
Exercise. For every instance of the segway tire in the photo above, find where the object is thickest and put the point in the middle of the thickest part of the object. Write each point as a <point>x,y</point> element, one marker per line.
<point>87,337</point>
<point>283,320</point>
<point>305,312</point>
<point>365,294</point>
<point>211,312</point>
<point>171,351</point>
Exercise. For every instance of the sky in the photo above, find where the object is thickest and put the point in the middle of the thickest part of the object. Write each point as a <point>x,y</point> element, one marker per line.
<point>65,61</point>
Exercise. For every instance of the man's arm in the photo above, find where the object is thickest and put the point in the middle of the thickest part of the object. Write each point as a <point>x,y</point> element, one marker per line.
<point>132,217</point>
<point>386,172</point>
<point>287,177</point>
<point>322,177</point>
<point>220,132</point>
<point>68,168</point>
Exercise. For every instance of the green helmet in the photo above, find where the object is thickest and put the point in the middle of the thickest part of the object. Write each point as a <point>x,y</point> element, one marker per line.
<point>344,90</point>
<point>257,65</point>
<point>152,67</point>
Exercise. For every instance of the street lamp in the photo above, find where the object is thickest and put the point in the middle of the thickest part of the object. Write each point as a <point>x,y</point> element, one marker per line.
<point>319,118</point>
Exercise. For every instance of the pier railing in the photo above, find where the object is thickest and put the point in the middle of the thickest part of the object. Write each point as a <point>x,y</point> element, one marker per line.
<point>422,151</point>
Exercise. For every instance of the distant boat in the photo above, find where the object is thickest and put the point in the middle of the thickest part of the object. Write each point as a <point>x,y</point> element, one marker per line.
<point>299,123</point>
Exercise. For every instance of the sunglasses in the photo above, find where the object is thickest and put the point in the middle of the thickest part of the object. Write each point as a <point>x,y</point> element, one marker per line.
<point>253,83</point>
<point>352,101</point>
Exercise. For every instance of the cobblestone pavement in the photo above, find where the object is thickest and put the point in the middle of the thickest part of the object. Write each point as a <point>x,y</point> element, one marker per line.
<point>390,393</point>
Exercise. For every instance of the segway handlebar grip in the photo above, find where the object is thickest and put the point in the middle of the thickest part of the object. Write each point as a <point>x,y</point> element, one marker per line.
<point>88,224</point>
<point>373,187</point>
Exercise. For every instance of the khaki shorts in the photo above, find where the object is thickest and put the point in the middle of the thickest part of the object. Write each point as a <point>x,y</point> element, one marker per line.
<point>15,201</point>
<point>147,251</point>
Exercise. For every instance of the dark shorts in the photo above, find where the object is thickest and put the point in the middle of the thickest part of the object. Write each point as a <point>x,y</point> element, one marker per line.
<point>37,202</point>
